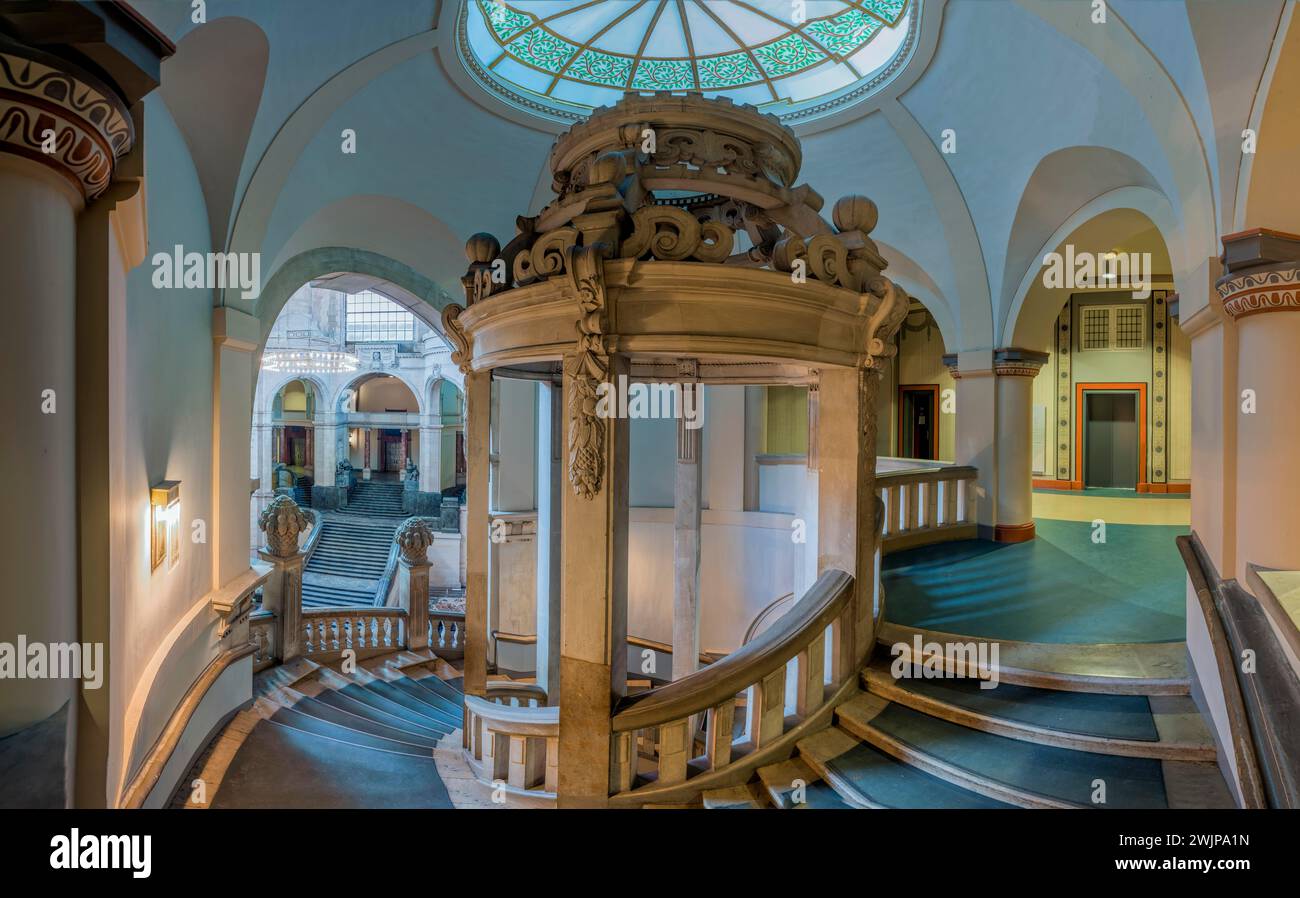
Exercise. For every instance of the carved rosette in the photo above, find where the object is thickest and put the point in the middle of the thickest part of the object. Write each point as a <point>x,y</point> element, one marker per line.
<point>1277,290</point>
<point>413,538</point>
<point>54,114</point>
<point>590,367</point>
<point>282,521</point>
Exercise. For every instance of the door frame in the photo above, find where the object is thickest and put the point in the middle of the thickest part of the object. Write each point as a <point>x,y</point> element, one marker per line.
<point>933,390</point>
<point>1079,415</point>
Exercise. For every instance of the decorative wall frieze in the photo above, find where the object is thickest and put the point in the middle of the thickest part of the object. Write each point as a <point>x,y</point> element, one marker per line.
<point>588,369</point>
<point>1250,293</point>
<point>53,113</point>
<point>673,235</point>
<point>1013,362</point>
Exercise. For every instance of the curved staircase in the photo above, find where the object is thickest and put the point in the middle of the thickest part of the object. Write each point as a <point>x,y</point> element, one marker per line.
<point>1075,740</point>
<point>318,738</point>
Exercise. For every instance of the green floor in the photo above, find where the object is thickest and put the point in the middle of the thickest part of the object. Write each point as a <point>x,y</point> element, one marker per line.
<point>1060,587</point>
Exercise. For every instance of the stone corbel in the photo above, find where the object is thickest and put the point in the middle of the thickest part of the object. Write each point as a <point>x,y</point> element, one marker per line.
<point>885,321</point>
<point>460,353</point>
<point>589,368</point>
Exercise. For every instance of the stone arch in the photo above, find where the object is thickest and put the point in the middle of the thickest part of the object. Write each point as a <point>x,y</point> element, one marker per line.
<point>1265,193</point>
<point>360,377</point>
<point>275,387</point>
<point>1092,227</point>
<point>433,392</point>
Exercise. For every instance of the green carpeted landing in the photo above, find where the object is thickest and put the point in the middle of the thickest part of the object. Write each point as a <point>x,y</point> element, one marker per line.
<point>1044,770</point>
<point>1060,587</point>
<point>1111,493</point>
<point>1085,713</point>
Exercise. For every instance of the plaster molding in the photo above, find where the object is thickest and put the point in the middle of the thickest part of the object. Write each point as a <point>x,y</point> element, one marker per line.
<point>1252,293</point>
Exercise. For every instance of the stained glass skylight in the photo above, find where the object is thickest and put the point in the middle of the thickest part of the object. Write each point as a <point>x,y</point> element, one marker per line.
<point>562,58</point>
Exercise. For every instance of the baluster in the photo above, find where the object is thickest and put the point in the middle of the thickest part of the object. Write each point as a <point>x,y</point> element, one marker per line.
<point>767,708</point>
<point>624,762</point>
<point>722,719</point>
<point>931,504</point>
<point>309,640</point>
<point>551,776</point>
<point>812,676</point>
<point>674,751</point>
<point>842,661</point>
<point>912,506</point>
<point>969,514</point>
<point>949,502</point>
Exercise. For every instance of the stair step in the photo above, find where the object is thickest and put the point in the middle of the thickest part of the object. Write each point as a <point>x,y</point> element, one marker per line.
<point>750,796</point>
<point>372,707</point>
<point>319,727</point>
<point>314,707</point>
<point>784,780</point>
<point>1116,669</point>
<point>1005,770</point>
<point>1168,727</point>
<point>865,777</point>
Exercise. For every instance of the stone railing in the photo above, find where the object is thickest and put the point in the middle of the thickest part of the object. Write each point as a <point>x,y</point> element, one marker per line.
<point>328,632</point>
<point>799,643</point>
<point>447,632</point>
<point>924,505</point>
<point>512,737</point>
<point>262,634</point>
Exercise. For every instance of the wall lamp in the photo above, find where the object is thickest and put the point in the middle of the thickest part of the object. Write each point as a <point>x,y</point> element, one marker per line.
<point>165,517</point>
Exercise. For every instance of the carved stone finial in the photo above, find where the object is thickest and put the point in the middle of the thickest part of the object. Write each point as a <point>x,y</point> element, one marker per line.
<point>413,538</point>
<point>482,248</point>
<point>855,213</point>
<point>282,520</point>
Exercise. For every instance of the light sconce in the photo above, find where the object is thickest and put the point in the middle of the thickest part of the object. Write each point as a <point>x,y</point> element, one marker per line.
<point>165,517</point>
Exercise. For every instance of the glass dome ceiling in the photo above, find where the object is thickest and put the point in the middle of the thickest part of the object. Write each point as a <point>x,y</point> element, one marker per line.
<point>562,58</point>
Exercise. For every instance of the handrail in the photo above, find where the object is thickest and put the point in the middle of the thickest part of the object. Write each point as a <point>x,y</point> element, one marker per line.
<point>720,682</point>
<point>762,615</point>
<point>927,503</point>
<point>497,689</point>
<point>151,769</point>
<point>1200,570</point>
<point>641,642</point>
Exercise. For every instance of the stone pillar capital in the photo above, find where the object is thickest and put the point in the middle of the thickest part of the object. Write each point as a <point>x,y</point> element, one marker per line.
<point>59,115</point>
<point>950,362</point>
<point>1261,273</point>
<point>1014,362</point>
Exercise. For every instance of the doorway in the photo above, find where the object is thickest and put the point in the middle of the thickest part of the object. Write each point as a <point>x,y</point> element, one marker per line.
<point>918,424</point>
<point>1111,440</point>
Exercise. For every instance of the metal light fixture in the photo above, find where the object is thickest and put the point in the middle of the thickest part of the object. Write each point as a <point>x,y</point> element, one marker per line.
<point>309,361</point>
<point>165,517</point>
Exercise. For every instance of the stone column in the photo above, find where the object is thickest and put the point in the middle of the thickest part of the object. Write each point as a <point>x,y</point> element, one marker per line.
<point>686,540</point>
<point>550,495</point>
<point>1260,290</point>
<point>282,521</point>
<point>413,539</point>
<point>976,430</point>
<point>478,418</point>
<point>1015,370</point>
<point>846,491</point>
<point>430,456</point>
<point>593,654</point>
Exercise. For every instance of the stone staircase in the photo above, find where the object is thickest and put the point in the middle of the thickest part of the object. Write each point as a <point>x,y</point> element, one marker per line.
<point>319,738</point>
<point>347,563</point>
<point>1068,741</point>
<point>376,498</point>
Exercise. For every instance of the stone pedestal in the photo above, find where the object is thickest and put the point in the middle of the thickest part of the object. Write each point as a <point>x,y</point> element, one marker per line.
<point>282,522</point>
<point>413,539</point>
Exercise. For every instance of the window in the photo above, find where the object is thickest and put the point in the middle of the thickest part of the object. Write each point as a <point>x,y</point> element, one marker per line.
<point>373,318</point>
<point>1112,327</point>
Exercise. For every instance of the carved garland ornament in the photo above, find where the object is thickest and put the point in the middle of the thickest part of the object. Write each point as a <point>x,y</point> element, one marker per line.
<point>590,368</point>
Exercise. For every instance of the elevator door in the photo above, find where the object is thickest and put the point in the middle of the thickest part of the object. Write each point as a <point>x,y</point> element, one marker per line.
<point>917,434</point>
<point>1111,440</point>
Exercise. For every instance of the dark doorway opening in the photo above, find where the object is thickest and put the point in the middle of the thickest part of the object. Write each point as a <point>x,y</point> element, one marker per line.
<point>1111,440</point>
<point>918,421</point>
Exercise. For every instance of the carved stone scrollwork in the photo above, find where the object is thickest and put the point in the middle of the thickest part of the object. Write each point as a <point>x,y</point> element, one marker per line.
<point>451,329</point>
<point>710,150</point>
<point>413,538</point>
<point>848,258</point>
<point>282,520</point>
<point>546,257</point>
<point>885,321</point>
<point>590,368</point>
<point>673,235</point>
<point>481,250</point>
